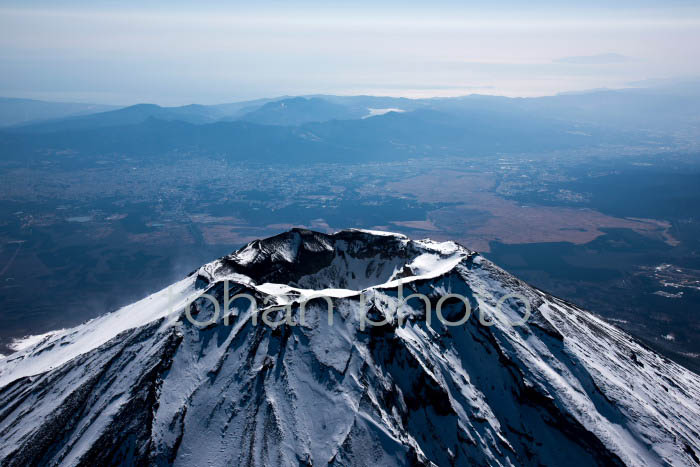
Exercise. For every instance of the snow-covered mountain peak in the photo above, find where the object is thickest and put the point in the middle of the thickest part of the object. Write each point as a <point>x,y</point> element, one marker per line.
<point>350,259</point>
<point>160,383</point>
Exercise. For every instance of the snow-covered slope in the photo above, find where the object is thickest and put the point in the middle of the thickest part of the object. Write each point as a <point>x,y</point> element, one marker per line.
<point>145,385</point>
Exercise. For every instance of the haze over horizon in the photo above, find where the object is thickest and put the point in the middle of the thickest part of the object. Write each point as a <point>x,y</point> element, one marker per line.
<point>178,53</point>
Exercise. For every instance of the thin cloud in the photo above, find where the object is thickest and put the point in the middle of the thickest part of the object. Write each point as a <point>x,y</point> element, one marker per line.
<point>599,59</point>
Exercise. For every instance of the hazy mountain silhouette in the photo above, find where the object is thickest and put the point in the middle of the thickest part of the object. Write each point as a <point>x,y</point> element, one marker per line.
<point>300,110</point>
<point>19,111</point>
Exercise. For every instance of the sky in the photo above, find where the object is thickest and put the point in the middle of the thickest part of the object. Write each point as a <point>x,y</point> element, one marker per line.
<point>177,52</point>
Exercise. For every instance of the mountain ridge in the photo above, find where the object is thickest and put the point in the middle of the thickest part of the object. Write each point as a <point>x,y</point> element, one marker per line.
<point>658,107</point>
<point>391,136</point>
<point>18,111</point>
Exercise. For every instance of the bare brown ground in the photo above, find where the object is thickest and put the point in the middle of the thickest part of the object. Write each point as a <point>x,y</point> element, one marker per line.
<point>481,216</point>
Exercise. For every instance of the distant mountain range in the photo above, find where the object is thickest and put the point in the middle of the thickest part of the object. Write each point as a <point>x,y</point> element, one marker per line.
<point>386,137</point>
<point>284,111</point>
<point>338,128</point>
